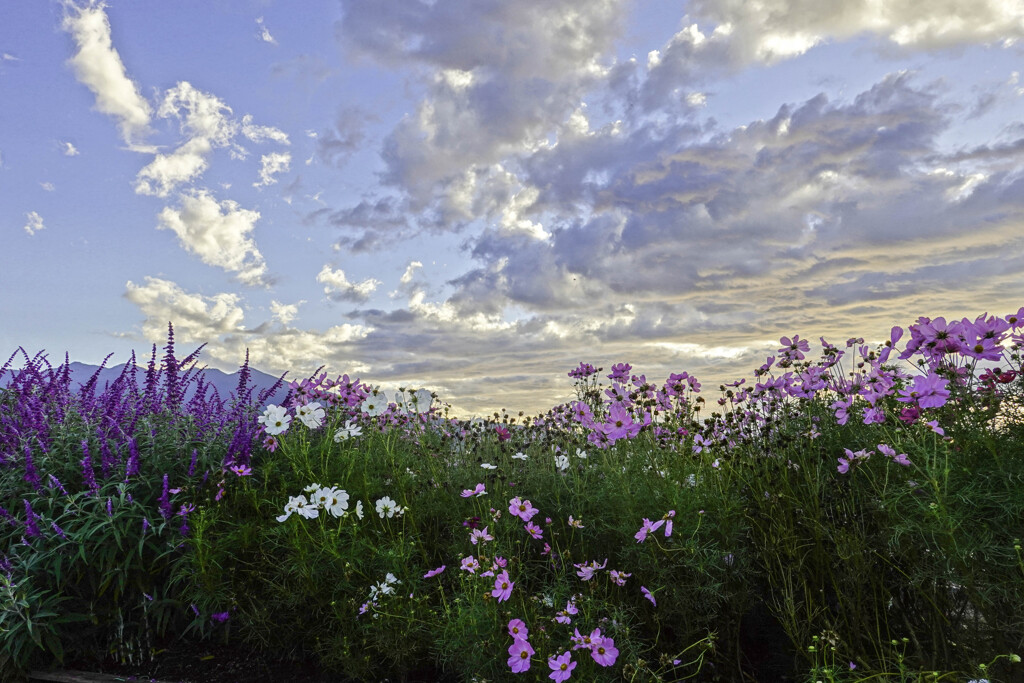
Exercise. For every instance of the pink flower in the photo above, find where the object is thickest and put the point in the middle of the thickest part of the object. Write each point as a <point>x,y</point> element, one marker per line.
<point>519,655</point>
<point>470,564</point>
<point>604,652</point>
<point>929,391</point>
<point>434,572</point>
<point>648,595</point>
<point>480,535</point>
<point>583,642</point>
<point>561,667</point>
<point>241,470</point>
<point>648,527</point>
<point>563,616</point>
<point>517,629</point>
<point>524,510</point>
<point>478,491</point>
<point>619,577</point>
<point>502,587</point>
<point>534,530</point>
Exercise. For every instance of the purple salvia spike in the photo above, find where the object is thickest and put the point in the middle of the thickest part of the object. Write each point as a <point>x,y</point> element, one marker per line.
<point>31,475</point>
<point>165,501</point>
<point>192,464</point>
<point>88,476</point>
<point>31,528</point>
<point>132,468</point>
<point>170,366</point>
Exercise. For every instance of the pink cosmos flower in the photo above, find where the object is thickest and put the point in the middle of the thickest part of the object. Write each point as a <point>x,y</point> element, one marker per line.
<point>561,667</point>
<point>563,616</point>
<point>517,629</point>
<point>434,572</point>
<point>502,587</point>
<point>648,595</point>
<point>478,491</point>
<point>584,642</point>
<point>928,391</point>
<point>619,577</point>
<point>519,655</point>
<point>480,535</point>
<point>604,652</point>
<point>241,470</point>
<point>648,527</point>
<point>524,510</point>
<point>470,564</point>
<point>534,530</point>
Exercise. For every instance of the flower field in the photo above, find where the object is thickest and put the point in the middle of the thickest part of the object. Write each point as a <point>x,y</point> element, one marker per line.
<point>852,517</point>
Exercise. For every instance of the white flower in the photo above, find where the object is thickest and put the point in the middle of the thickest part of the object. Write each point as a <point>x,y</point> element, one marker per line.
<point>520,456</point>
<point>386,507</point>
<point>580,453</point>
<point>374,405</point>
<point>562,462</point>
<point>488,466</point>
<point>275,420</point>
<point>320,497</point>
<point>311,415</point>
<point>421,401</point>
<point>300,505</point>
<point>337,502</point>
<point>390,578</point>
<point>359,509</point>
<point>311,488</point>
<point>350,430</point>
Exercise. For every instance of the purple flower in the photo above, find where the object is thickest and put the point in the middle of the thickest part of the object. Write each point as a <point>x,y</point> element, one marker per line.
<point>220,617</point>
<point>517,629</point>
<point>502,587</point>
<point>648,595</point>
<point>31,528</point>
<point>604,651</point>
<point>165,501</point>
<point>519,654</point>
<point>434,572</point>
<point>561,666</point>
<point>534,530</point>
<point>928,391</point>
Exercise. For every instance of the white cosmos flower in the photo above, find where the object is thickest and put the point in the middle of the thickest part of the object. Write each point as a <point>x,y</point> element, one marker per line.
<point>562,462</point>
<point>488,466</point>
<point>580,453</point>
<point>386,507</point>
<point>311,488</point>
<point>359,509</point>
<point>320,497</point>
<point>349,431</point>
<point>300,505</point>
<point>421,401</point>
<point>337,503</point>
<point>311,415</point>
<point>374,405</point>
<point>520,456</point>
<point>275,420</point>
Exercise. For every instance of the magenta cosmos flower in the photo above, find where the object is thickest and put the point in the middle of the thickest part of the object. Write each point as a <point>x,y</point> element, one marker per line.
<point>524,510</point>
<point>604,651</point>
<point>519,655</point>
<point>561,667</point>
<point>502,587</point>
<point>929,391</point>
<point>517,629</point>
<point>434,572</point>
<point>649,595</point>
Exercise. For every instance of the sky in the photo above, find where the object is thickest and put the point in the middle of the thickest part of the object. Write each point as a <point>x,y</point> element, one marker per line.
<point>474,196</point>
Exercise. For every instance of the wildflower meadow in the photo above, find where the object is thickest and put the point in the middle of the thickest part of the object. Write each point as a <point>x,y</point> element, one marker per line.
<point>855,516</point>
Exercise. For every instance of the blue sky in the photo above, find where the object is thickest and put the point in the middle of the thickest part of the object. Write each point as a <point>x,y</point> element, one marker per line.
<point>475,196</point>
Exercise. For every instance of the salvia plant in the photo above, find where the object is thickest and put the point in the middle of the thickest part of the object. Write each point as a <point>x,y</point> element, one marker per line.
<point>851,517</point>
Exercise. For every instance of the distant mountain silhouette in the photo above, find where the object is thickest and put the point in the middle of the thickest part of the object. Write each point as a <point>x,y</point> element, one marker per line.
<point>224,383</point>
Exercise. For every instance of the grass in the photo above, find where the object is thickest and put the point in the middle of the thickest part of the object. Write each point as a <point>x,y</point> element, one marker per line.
<point>758,536</point>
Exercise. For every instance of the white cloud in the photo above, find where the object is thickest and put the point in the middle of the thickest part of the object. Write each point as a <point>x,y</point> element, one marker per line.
<point>68,149</point>
<point>259,134</point>
<point>98,66</point>
<point>338,288</point>
<point>218,233</point>
<point>196,318</point>
<point>770,30</point>
<point>285,313</point>
<point>410,272</point>
<point>49,187</point>
<point>272,164</point>
<point>264,33</point>
<point>34,224</point>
